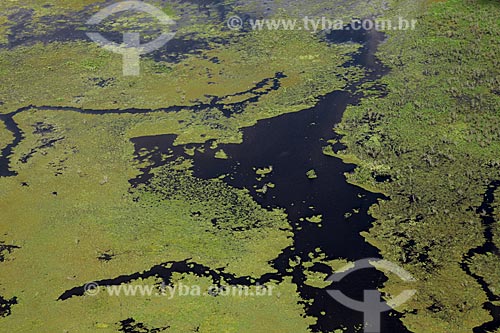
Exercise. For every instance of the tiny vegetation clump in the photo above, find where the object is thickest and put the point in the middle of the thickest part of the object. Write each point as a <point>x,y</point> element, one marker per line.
<point>311,174</point>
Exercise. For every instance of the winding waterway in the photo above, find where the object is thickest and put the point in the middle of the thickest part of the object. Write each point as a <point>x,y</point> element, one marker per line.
<point>292,145</point>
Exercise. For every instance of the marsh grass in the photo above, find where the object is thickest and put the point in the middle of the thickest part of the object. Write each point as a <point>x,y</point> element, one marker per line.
<point>436,134</point>
<point>71,201</point>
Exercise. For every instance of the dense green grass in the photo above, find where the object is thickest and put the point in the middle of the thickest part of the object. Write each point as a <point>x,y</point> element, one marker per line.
<point>436,134</point>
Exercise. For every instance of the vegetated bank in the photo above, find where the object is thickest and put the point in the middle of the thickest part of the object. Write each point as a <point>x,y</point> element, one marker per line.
<point>435,140</point>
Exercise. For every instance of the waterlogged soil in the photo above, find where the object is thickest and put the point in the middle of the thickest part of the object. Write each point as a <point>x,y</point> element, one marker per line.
<point>489,247</point>
<point>290,146</point>
<point>281,164</point>
<point>252,95</point>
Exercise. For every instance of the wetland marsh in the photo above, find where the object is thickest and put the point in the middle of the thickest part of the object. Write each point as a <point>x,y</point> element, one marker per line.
<point>255,159</point>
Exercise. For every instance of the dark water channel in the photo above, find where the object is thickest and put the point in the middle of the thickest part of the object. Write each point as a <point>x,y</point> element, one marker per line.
<point>292,145</point>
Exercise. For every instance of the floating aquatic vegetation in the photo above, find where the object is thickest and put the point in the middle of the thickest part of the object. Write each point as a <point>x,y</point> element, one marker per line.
<point>221,154</point>
<point>264,171</point>
<point>315,219</point>
<point>311,174</point>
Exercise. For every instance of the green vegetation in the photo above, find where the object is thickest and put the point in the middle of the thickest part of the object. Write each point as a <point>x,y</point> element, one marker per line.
<point>434,138</point>
<point>264,171</point>
<point>71,200</point>
<point>436,135</point>
<point>221,154</point>
<point>315,219</point>
<point>311,174</point>
<point>328,151</point>
<point>5,135</point>
<point>40,13</point>
<point>66,216</point>
<point>65,74</point>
